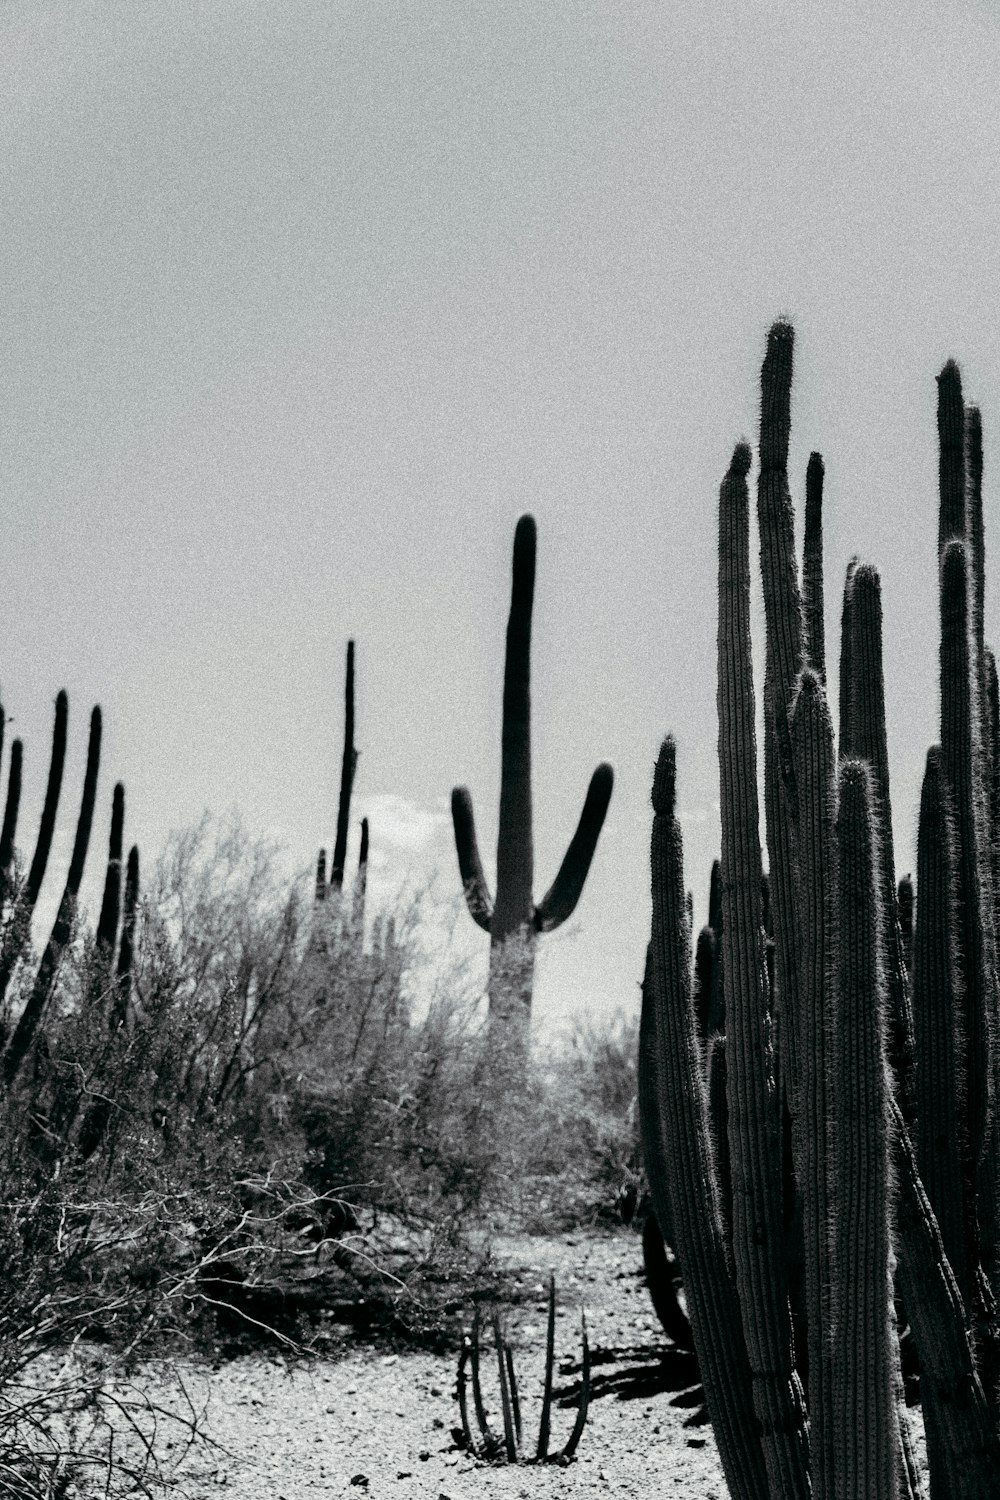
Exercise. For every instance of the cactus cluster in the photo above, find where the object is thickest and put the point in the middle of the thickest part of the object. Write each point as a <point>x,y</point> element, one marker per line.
<point>848,1174</point>
<point>513,920</point>
<point>18,898</point>
<point>509,1447</point>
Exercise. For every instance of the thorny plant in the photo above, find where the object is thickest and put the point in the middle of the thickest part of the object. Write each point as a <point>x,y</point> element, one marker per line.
<point>491,1447</point>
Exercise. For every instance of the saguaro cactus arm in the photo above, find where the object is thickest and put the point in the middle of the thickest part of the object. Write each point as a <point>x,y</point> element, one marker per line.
<point>515,858</point>
<point>560,899</point>
<point>470,865</point>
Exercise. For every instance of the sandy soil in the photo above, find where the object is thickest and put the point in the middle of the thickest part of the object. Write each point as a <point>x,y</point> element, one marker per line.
<point>371,1423</point>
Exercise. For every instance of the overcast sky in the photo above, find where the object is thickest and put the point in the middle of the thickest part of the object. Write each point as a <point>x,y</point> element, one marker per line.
<point>305,304</point>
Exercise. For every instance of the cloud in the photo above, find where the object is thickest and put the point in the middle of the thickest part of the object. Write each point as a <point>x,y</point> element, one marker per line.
<point>400,825</point>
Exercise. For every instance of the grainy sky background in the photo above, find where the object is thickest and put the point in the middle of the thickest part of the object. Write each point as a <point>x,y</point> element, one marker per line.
<point>305,304</point>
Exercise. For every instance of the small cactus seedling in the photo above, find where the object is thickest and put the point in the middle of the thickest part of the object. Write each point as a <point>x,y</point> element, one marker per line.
<point>492,1447</point>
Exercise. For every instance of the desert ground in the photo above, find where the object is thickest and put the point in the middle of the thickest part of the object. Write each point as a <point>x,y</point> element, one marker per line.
<point>375,1421</point>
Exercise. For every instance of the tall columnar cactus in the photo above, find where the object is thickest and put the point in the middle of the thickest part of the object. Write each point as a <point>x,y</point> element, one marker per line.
<point>812,568</point>
<point>865,694</point>
<point>811,798</point>
<point>864,1360</point>
<point>107,926</point>
<point>8,833</point>
<point>842,930</point>
<point>513,920</point>
<point>752,1096</point>
<point>957,747</point>
<point>941,1137</point>
<point>41,991</point>
<point>782,662</point>
<point>126,943</point>
<point>349,765</point>
<point>19,926</point>
<point>677,1147</point>
<point>347,920</point>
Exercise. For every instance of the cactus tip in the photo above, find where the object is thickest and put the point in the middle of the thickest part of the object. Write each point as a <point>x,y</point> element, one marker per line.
<point>741,459</point>
<point>808,688</point>
<point>954,563</point>
<point>603,778</point>
<point>865,577</point>
<point>665,779</point>
<point>855,775</point>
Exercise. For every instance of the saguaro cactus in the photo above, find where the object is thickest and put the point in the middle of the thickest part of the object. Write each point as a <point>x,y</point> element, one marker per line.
<point>347,919</point>
<point>513,920</point>
<point>349,765</point>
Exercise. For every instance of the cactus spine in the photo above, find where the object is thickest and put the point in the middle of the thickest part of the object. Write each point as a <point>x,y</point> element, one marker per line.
<point>513,920</point>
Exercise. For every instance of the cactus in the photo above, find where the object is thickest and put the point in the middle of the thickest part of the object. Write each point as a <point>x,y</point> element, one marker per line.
<point>851,1079</point>
<point>349,765</point>
<point>814,628</point>
<point>9,831</point>
<point>816,856</point>
<point>865,692</point>
<point>865,1453</point>
<point>752,1095</point>
<point>107,926</point>
<point>513,920</point>
<point>677,1148</point>
<point>360,886</point>
<point>41,992</point>
<point>126,943</point>
<point>19,924</point>
<point>508,1449</point>
<point>904,910</point>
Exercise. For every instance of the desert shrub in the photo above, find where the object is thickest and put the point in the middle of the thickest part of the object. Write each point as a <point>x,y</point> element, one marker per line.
<point>283,1118</point>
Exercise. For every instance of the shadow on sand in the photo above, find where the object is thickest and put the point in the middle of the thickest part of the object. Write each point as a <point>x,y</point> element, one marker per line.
<point>637,1372</point>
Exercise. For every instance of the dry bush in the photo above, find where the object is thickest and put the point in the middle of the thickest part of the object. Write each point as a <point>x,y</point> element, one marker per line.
<point>288,1119</point>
